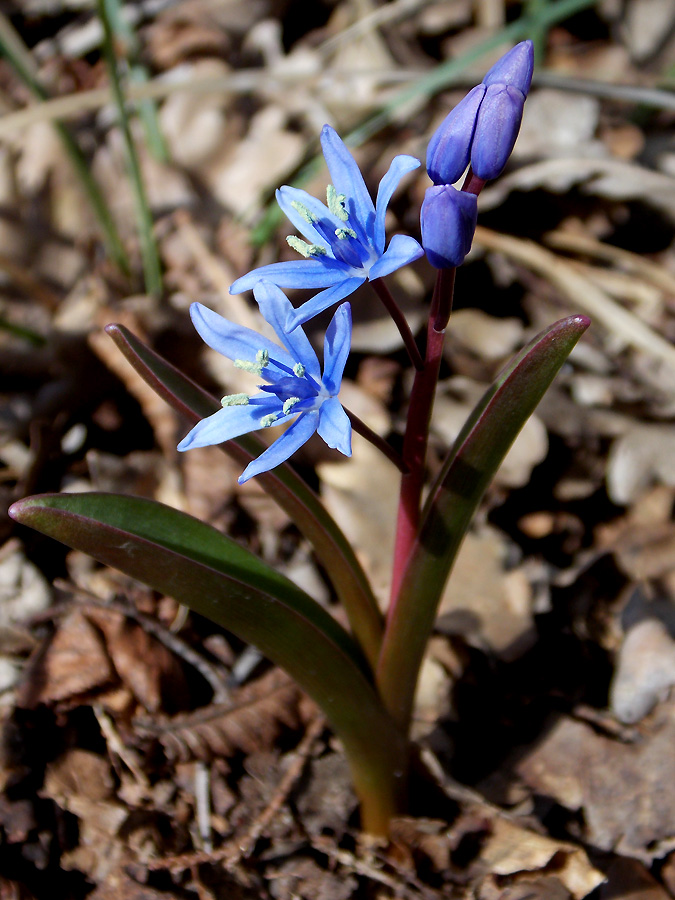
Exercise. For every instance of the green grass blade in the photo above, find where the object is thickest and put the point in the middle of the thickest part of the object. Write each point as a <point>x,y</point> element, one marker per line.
<point>152,270</point>
<point>18,55</point>
<point>475,457</point>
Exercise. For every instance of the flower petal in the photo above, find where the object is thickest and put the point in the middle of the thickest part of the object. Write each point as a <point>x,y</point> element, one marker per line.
<point>335,427</point>
<point>296,273</point>
<point>347,178</point>
<point>402,250</point>
<point>323,300</point>
<point>232,340</point>
<point>284,447</point>
<point>449,149</point>
<point>400,165</point>
<point>336,347</point>
<point>276,309</point>
<point>227,423</point>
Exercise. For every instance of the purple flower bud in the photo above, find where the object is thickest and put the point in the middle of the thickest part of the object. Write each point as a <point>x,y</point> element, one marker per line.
<point>450,147</point>
<point>448,221</point>
<point>483,127</point>
<point>497,127</point>
<point>514,68</point>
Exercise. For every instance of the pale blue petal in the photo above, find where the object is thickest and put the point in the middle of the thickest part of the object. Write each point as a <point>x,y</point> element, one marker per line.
<point>296,273</point>
<point>347,178</point>
<point>227,423</point>
<point>323,300</point>
<point>287,195</point>
<point>402,250</point>
<point>336,347</point>
<point>232,340</point>
<point>276,309</point>
<point>335,427</point>
<point>284,447</point>
<point>400,165</point>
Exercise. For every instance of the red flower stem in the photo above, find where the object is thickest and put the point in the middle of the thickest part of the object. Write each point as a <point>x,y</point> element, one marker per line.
<point>365,431</point>
<point>417,430</point>
<point>395,312</point>
<point>472,183</point>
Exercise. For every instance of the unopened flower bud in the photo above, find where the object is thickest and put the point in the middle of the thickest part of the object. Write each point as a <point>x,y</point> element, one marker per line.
<point>483,127</point>
<point>449,149</point>
<point>448,221</point>
<point>497,127</point>
<point>514,68</point>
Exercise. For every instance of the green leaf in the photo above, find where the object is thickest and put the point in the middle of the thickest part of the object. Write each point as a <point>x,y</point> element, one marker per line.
<point>475,457</point>
<point>180,556</point>
<point>291,493</point>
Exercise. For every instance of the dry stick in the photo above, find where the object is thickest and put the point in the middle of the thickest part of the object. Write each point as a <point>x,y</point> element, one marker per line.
<point>232,853</point>
<point>400,321</point>
<point>284,788</point>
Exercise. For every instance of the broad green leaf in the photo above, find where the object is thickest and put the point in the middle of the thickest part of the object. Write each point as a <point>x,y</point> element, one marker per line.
<point>180,556</point>
<point>475,457</point>
<point>290,492</point>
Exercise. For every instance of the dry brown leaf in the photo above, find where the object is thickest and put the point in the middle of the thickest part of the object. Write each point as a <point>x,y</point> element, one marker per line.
<point>644,671</point>
<point>510,849</point>
<point>302,876</point>
<point>155,409</point>
<point>251,721</point>
<point>610,178</point>
<point>559,124</point>
<point>626,791</point>
<point>194,124</point>
<point>486,604</point>
<point>627,879</point>
<point>24,592</point>
<point>527,451</point>
<point>487,336</point>
<point>641,457</point>
<point>81,782</point>
<point>261,161</point>
<point>359,493</point>
<point>72,664</point>
<point>145,666</point>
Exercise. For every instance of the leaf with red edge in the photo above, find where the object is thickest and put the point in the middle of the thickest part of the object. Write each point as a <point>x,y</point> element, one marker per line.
<point>291,493</point>
<point>468,470</point>
<point>197,565</point>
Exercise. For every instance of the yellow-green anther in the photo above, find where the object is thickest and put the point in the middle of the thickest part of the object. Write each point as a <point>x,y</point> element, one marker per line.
<point>266,421</point>
<point>262,357</point>
<point>299,370</point>
<point>342,233</point>
<point>336,203</point>
<point>246,366</point>
<point>289,404</point>
<point>303,248</point>
<point>234,400</point>
<point>306,213</point>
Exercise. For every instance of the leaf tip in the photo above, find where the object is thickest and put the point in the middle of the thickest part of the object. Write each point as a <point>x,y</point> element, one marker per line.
<point>581,321</point>
<point>17,510</point>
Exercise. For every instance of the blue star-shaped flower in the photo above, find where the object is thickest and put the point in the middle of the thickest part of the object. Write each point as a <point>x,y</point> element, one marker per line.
<point>295,386</point>
<point>346,237</point>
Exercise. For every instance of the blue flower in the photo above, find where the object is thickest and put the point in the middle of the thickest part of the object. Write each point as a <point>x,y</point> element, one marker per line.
<point>483,127</point>
<point>345,239</point>
<point>295,387</point>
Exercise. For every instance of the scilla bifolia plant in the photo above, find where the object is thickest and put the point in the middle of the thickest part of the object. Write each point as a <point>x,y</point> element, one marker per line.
<point>364,679</point>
